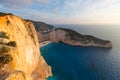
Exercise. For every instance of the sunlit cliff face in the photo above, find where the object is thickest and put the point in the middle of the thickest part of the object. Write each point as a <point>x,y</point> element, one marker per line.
<point>25,57</point>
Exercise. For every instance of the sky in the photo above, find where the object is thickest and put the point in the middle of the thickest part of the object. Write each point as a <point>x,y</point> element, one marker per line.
<point>65,11</point>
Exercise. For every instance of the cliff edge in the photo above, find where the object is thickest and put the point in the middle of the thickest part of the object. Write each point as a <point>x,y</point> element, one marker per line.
<point>20,57</point>
<point>74,38</point>
<point>69,36</point>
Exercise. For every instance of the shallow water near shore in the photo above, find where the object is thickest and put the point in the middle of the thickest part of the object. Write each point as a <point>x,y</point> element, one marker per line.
<point>85,63</point>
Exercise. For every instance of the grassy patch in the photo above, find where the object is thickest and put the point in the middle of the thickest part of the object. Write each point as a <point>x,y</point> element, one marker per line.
<point>5,58</point>
<point>3,35</point>
<point>11,43</point>
<point>3,14</point>
<point>32,36</point>
<point>4,49</point>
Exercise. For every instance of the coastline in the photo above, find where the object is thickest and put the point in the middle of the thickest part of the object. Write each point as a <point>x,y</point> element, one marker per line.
<point>42,44</point>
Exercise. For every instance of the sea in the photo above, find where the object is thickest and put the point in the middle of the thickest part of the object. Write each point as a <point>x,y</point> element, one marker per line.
<point>85,63</point>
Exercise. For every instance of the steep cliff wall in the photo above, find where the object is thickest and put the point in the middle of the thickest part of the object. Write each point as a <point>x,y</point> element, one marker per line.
<point>40,26</point>
<point>24,61</point>
<point>73,38</point>
<point>50,33</point>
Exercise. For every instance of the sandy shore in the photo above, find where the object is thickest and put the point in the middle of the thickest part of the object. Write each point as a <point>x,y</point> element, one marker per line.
<point>44,43</point>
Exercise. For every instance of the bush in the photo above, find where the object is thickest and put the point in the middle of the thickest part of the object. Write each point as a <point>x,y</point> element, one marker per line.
<point>12,43</point>
<point>3,14</point>
<point>32,35</point>
<point>3,35</point>
<point>4,49</point>
<point>5,58</point>
<point>2,43</point>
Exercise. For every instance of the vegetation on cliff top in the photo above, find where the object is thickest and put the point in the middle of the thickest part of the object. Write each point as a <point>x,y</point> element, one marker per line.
<point>40,26</point>
<point>3,14</point>
<point>3,35</point>
<point>12,43</point>
<point>5,59</point>
<point>85,39</point>
<point>5,48</point>
<point>69,34</point>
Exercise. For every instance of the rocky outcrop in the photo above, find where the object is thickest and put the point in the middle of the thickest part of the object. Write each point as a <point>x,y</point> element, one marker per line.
<point>41,26</point>
<point>71,37</point>
<point>20,57</point>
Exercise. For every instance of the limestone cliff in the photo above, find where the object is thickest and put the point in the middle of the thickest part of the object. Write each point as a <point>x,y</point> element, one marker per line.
<point>41,26</point>
<point>73,38</point>
<point>69,36</point>
<point>20,57</point>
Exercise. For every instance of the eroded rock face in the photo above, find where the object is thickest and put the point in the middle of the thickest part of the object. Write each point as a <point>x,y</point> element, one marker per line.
<point>26,55</point>
<point>48,32</point>
<point>42,71</point>
<point>73,38</point>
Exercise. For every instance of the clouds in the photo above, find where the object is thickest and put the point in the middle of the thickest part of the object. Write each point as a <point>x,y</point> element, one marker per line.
<point>93,11</point>
<point>65,11</point>
<point>42,1</point>
<point>20,3</point>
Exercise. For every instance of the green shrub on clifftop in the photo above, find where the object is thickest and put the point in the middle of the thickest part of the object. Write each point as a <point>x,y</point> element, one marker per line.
<point>5,58</point>
<point>3,14</point>
<point>12,43</point>
<point>4,49</point>
<point>32,36</point>
<point>3,35</point>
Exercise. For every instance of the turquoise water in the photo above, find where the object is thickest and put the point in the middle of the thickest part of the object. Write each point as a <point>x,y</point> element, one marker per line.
<point>76,63</point>
<point>85,63</point>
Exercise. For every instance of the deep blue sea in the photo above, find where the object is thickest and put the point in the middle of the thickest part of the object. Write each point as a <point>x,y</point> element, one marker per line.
<point>85,63</point>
